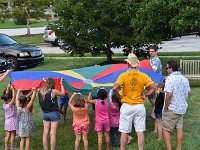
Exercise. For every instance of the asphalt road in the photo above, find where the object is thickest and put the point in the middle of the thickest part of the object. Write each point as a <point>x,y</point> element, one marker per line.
<point>183,44</point>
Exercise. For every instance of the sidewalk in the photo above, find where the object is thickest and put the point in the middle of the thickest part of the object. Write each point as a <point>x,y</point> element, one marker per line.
<point>22,31</point>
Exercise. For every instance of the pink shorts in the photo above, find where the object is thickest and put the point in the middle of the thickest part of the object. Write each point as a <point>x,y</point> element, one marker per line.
<point>102,126</point>
<point>81,128</point>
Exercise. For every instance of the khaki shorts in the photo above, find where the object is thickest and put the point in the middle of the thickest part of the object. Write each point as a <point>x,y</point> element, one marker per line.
<point>171,121</point>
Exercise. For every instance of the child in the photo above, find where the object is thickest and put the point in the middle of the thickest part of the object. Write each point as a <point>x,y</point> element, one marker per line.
<point>102,122</point>
<point>24,118</point>
<point>80,119</point>
<point>115,105</point>
<point>28,94</point>
<point>10,115</point>
<point>63,104</point>
<point>159,107</point>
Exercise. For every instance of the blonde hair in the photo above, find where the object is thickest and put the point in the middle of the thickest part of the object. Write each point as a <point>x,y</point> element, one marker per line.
<point>79,100</point>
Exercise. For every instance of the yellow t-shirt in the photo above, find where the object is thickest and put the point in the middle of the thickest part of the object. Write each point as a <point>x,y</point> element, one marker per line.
<point>133,83</point>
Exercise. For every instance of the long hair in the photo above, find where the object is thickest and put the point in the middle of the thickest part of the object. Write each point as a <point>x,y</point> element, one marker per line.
<point>102,94</point>
<point>116,101</point>
<point>7,95</point>
<point>49,84</point>
<point>79,100</point>
<point>23,101</point>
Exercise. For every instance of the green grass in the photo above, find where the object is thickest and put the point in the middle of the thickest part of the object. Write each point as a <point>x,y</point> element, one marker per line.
<point>33,39</point>
<point>11,25</point>
<point>65,135</point>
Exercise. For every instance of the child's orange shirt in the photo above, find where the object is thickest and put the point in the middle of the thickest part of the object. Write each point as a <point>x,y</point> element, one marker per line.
<point>80,114</point>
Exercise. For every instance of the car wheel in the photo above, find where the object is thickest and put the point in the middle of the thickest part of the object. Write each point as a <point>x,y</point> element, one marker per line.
<point>55,43</point>
<point>12,63</point>
<point>60,42</point>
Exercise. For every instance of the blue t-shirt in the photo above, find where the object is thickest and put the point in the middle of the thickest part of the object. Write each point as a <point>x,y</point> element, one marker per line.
<point>156,65</point>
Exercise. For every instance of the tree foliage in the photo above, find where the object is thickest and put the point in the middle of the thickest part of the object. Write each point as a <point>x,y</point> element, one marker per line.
<point>94,26</point>
<point>28,9</point>
<point>4,11</point>
<point>158,20</point>
<point>97,26</point>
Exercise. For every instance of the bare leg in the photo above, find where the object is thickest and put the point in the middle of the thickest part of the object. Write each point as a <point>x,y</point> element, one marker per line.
<point>140,136</point>
<point>123,141</point>
<point>46,125</point>
<point>160,136</point>
<point>85,141</point>
<point>77,141</point>
<point>107,137</point>
<point>64,113</point>
<point>99,140</point>
<point>155,126</point>
<point>54,126</point>
<point>28,142</point>
<point>167,139</point>
<point>22,143</point>
<point>179,138</point>
<point>7,139</point>
<point>12,139</point>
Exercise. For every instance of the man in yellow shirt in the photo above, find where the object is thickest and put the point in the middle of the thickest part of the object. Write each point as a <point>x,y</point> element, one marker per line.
<point>133,96</point>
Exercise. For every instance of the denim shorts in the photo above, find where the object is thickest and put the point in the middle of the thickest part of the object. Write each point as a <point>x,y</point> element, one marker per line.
<point>51,116</point>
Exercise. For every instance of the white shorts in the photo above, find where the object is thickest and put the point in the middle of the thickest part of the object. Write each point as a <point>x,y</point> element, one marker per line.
<point>132,115</point>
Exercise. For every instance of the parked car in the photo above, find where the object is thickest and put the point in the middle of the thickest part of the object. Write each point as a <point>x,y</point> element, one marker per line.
<point>50,37</point>
<point>3,63</point>
<point>18,55</point>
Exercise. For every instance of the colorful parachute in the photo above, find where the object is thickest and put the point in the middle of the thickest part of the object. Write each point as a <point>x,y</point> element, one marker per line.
<point>82,79</point>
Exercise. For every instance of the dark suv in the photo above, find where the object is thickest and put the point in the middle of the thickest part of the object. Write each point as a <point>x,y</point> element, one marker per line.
<point>18,55</point>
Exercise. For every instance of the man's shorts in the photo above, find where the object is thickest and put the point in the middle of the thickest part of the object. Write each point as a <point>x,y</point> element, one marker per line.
<point>171,120</point>
<point>132,115</point>
<point>63,100</point>
<point>51,116</point>
<point>81,128</point>
<point>102,126</point>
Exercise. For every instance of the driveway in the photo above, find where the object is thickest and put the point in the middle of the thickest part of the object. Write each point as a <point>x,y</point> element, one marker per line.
<point>183,44</point>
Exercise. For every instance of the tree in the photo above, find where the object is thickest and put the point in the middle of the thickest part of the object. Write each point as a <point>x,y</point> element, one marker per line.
<point>94,26</point>
<point>98,25</point>
<point>158,20</point>
<point>28,9</point>
<point>4,11</point>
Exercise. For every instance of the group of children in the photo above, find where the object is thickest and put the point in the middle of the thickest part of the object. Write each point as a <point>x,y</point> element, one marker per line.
<point>20,122</point>
<point>107,114</point>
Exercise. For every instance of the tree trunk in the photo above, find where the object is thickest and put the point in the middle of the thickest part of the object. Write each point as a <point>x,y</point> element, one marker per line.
<point>28,23</point>
<point>109,54</point>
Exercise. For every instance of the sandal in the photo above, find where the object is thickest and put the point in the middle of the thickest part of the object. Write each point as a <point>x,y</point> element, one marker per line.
<point>130,139</point>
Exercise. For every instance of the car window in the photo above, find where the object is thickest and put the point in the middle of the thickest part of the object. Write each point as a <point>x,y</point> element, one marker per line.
<point>6,40</point>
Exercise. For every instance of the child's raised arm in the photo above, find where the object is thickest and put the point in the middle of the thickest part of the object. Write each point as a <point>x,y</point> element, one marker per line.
<point>17,98</point>
<point>32,99</point>
<point>13,95</point>
<point>90,100</point>
<point>70,100</point>
<point>57,93</point>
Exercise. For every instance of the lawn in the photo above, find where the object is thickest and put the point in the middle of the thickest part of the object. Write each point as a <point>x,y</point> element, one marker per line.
<point>11,25</point>
<point>65,136</point>
<point>32,40</point>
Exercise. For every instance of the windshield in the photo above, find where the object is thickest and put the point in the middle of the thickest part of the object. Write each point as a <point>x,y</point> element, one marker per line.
<point>6,40</point>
